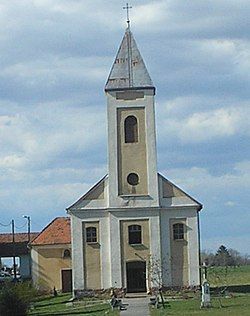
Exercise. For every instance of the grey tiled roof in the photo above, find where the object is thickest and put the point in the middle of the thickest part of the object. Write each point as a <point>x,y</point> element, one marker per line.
<point>128,70</point>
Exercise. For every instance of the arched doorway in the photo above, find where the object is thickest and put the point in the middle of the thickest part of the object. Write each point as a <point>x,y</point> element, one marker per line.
<point>136,276</point>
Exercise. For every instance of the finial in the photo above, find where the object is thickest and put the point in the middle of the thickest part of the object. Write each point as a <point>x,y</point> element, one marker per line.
<point>127,8</point>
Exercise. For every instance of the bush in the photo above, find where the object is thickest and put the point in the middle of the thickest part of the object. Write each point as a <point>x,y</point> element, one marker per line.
<point>15,298</point>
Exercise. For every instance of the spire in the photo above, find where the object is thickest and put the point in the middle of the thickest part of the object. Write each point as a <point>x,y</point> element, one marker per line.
<point>128,70</point>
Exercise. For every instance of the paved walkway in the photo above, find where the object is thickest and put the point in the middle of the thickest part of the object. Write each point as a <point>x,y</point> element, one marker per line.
<point>137,306</point>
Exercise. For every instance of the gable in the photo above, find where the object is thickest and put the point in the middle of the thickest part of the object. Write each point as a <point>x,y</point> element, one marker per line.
<point>169,190</point>
<point>174,195</point>
<point>96,192</point>
<point>94,197</point>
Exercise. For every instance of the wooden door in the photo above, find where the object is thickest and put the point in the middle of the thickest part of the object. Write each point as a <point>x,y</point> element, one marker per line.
<point>136,276</point>
<point>66,280</point>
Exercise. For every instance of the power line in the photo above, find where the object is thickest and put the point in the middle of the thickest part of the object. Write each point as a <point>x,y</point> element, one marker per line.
<point>20,227</point>
<point>5,225</point>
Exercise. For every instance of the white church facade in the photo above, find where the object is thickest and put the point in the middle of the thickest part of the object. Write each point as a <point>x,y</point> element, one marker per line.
<point>133,220</point>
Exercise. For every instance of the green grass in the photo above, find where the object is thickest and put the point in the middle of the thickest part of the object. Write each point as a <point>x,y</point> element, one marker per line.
<point>238,305</point>
<point>219,276</point>
<point>48,306</point>
<point>236,280</point>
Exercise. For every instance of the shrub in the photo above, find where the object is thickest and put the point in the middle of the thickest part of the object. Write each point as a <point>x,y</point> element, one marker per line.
<point>15,298</point>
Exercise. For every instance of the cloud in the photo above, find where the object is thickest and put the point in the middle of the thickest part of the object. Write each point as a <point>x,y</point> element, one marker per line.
<point>55,59</point>
<point>230,203</point>
<point>212,185</point>
<point>12,161</point>
<point>225,217</point>
<point>197,127</point>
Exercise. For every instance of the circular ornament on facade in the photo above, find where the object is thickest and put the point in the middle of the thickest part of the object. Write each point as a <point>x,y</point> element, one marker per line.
<point>133,179</point>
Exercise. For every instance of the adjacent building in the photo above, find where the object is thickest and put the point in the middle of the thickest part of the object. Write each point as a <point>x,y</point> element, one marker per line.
<point>51,256</point>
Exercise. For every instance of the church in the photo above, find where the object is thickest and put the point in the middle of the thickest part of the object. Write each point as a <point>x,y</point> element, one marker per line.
<point>134,229</point>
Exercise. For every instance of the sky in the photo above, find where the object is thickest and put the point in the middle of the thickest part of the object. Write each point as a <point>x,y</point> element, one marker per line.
<point>55,59</point>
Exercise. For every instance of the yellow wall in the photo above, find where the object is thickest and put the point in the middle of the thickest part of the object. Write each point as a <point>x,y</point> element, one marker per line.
<point>132,157</point>
<point>50,262</point>
<point>92,266</point>
<point>179,258</point>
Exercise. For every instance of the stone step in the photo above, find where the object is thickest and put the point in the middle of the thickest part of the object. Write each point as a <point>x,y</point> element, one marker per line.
<point>136,295</point>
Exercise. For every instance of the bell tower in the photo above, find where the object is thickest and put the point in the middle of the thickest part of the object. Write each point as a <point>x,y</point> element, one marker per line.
<point>132,163</point>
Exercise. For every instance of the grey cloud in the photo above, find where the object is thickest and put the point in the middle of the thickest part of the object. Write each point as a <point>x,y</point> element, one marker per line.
<point>55,59</point>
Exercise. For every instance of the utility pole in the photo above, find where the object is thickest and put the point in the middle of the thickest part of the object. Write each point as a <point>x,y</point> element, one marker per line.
<point>28,219</point>
<point>13,248</point>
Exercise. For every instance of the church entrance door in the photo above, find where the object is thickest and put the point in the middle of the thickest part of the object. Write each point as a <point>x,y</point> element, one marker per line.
<point>136,276</point>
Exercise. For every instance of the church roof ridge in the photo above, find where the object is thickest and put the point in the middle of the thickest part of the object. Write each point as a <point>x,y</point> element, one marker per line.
<point>128,70</point>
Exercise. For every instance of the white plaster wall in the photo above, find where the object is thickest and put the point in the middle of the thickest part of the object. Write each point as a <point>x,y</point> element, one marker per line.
<point>193,246</point>
<point>104,233</point>
<point>92,204</point>
<point>112,150</point>
<point>165,248</point>
<point>115,251</point>
<point>155,241</point>
<point>77,253</point>
<point>151,151</point>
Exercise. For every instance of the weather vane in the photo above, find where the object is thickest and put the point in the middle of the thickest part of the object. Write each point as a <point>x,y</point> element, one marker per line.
<point>127,8</point>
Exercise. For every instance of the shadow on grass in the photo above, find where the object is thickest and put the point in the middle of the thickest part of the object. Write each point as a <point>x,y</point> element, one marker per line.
<point>37,305</point>
<point>232,288</point>
<point>69,312</point>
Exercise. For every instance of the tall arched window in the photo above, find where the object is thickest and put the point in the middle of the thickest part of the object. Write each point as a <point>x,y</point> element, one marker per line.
<point>91,235</point>
<point>131,129</point>
<point>178,231</point>
<point>134,234</point>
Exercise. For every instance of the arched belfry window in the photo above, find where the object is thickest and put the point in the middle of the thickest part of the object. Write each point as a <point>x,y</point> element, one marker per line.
<point>131,129</point>
<point>134,234</point>
<point>178,231</point>
<point>91,235</point>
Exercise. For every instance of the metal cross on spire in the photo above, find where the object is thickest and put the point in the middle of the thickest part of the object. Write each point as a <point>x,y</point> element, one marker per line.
<point>127,8</point>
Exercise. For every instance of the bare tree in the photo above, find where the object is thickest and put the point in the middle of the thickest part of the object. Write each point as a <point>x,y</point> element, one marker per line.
<point>156,269</point>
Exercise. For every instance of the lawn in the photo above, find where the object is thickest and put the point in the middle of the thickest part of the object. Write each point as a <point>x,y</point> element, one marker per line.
<point>220,276</point>
<point>237,305</point>
<point>236,280</point>
<point>60,305</point>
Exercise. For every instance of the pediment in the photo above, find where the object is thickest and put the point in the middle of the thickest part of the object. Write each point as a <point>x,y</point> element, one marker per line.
<point>95,194</point>
<point>170,191</point>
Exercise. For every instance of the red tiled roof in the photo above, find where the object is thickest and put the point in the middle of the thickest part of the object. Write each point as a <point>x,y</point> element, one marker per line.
<point>56,232</point>
<point>19,237</point>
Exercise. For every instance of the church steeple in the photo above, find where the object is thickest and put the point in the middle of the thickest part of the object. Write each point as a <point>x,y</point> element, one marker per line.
<point>131,129</point>
<point>128,70</point>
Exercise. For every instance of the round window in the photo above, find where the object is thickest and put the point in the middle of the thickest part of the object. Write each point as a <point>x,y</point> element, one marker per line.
<point>133,179</point>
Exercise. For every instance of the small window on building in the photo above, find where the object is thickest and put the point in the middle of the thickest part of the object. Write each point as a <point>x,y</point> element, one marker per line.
<point>133,179</point>
<point>131,129</point>
<point>66,253</point>
<point>134,234</point>
<point>91,235</point>
<point>178,231</point>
